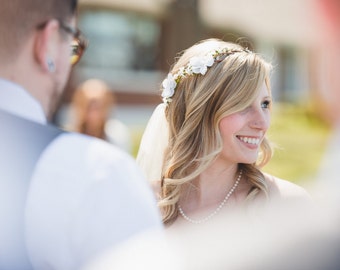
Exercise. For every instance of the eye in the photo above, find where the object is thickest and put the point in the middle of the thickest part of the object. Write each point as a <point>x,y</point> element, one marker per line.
<point>266,104</point>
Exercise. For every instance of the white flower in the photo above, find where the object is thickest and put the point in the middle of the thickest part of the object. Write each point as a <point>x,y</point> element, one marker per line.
<point>196,65</point>
<point>199,65</point>
<point>181,72</point>
<point>169,85</point>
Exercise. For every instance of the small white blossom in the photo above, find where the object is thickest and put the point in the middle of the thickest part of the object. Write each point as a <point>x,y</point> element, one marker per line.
<point>189,70</point>
<point>169,85</point>
<point>199,65</point>
<point>181,72</point>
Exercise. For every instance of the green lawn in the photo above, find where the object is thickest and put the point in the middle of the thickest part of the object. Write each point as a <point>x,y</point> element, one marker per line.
<point>300,137</point>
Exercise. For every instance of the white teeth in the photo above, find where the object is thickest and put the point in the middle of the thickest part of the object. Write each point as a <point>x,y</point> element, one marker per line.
<point>250,140</point>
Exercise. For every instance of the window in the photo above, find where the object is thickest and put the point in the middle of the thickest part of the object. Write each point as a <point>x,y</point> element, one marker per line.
<point>120,40</point>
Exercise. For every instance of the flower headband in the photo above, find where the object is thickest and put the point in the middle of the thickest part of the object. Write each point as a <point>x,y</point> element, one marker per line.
<point>196,65</point>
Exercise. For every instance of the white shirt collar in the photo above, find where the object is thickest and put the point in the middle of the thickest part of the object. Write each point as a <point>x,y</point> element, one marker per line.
<point>16,100</point>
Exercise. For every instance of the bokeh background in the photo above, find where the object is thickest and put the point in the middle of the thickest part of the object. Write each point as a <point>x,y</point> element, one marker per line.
<point>133,43</point>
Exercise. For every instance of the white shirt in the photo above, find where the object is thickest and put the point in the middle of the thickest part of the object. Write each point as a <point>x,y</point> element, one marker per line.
<point>85,197</point>
<point>14,99</point>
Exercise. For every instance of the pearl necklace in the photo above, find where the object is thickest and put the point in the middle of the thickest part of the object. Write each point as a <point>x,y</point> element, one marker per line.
<point>199,221</point>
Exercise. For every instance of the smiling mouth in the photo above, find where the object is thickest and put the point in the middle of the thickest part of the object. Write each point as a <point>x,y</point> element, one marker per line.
<point>250,140</point>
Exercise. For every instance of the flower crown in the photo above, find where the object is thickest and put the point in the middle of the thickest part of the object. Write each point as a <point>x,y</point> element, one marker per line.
<point>196,65</point>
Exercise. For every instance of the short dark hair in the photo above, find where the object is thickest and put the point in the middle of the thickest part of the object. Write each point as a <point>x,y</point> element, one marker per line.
<point>18,18</point>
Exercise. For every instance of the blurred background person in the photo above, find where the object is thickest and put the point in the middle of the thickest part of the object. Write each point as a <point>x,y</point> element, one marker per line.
<point>93,107</point>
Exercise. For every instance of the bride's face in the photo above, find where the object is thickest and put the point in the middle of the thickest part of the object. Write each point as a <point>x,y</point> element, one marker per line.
<point>243,132</point>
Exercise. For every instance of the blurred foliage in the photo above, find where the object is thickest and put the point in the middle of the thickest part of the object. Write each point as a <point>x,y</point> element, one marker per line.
<point>299,135</point>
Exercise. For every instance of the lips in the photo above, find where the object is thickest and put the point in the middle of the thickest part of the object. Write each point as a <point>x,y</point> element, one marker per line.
<point>249,140</point>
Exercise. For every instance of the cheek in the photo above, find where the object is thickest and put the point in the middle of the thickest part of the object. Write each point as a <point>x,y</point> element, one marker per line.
<point>63,63</point>
<point>67,57</point>
<point>230,124</point>
<point>268,120</point>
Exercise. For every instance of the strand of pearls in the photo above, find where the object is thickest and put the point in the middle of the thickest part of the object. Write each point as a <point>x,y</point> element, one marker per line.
<point>199,221</point>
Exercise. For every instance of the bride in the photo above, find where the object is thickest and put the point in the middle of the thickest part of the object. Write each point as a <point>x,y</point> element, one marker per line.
<point>205,145</point>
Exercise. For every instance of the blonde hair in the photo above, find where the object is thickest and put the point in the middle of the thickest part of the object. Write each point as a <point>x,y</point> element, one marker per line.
<point>198,105</point>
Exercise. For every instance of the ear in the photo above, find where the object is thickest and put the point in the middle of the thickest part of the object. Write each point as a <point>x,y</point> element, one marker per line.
<point>46,45</point>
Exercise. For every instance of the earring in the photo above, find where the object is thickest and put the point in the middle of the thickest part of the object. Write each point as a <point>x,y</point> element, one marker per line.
<point>50,65</point>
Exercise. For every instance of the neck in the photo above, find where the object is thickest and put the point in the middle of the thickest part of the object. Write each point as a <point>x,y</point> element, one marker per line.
<point>204,208</point>
<point>25,71</point>
<point>210,187</point>
<point>42,97</point>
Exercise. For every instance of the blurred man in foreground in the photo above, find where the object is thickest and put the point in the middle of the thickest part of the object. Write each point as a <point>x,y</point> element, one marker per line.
<point>64,197</point>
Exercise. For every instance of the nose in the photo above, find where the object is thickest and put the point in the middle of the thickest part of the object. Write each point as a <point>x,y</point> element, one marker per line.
<point>260,120</point>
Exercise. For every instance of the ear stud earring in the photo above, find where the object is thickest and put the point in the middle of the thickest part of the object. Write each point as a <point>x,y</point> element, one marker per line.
<point>50,65</point>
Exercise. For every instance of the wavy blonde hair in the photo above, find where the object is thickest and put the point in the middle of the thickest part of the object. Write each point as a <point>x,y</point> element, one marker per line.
<point>197,107</point>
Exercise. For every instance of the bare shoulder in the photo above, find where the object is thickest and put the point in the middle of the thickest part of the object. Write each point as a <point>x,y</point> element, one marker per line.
<point>283,189</point>
<point>289,204</point>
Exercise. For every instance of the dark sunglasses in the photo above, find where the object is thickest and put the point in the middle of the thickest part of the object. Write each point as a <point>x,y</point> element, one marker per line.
<point>78,44</point>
